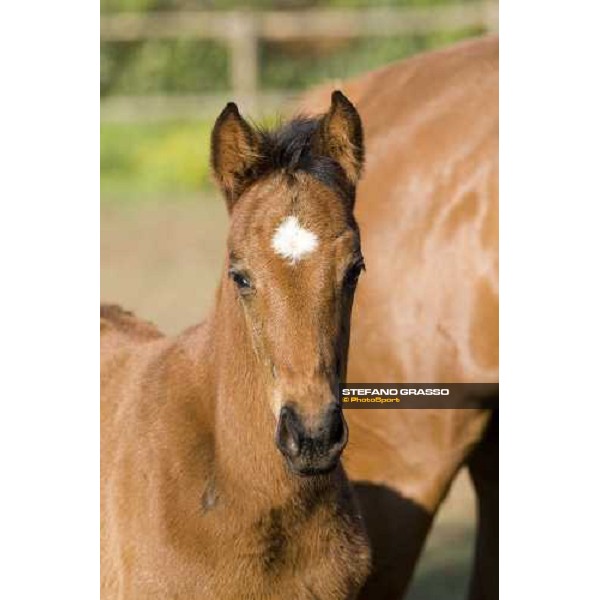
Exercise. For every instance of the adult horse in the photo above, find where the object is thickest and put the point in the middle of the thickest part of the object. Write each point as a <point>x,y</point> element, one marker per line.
<point>427,310</point>
<point>220,448</point>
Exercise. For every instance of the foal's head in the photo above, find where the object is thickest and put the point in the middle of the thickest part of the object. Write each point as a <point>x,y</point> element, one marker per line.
<point>294,259</point>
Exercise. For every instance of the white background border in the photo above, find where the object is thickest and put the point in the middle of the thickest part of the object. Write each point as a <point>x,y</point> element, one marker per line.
<point>549,299</point>
<point>50,254</point>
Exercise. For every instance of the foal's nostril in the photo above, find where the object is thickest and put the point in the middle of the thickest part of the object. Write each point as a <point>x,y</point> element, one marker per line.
<point>337,429</point>
<point>288,432</point>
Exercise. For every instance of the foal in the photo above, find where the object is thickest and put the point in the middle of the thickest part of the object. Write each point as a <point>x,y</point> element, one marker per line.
<point>221,476</point>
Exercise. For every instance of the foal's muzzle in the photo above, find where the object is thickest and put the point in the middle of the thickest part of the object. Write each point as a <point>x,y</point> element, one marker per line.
<point>311,449</point>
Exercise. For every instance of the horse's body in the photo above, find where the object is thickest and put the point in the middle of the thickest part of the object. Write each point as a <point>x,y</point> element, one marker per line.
<point>197,500</point>
<point>427,310</point>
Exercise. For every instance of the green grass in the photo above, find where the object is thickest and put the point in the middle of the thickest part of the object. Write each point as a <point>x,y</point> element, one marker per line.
<point>167,159</point>
<point>139,159</point>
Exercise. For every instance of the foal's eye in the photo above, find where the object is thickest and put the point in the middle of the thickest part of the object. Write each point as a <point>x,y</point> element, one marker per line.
<point>353,273</point>
<point>241,280</point>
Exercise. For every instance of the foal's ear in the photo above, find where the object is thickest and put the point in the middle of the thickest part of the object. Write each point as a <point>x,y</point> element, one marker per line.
<point>340,136</point>
<point>234,151</point>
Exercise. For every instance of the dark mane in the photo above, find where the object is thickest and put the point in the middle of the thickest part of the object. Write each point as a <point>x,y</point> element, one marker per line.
<point>290,148</point>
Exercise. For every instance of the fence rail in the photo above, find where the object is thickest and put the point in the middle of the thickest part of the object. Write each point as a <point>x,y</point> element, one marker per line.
<point>243,30</point>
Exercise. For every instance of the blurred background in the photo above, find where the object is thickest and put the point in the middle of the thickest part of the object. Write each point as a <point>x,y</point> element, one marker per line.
<point>167,68</point>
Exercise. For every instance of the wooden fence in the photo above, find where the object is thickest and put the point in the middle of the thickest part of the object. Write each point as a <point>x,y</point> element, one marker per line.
<point>242,32</point>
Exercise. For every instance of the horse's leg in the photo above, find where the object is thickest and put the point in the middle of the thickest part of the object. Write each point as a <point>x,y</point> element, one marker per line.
<point>483,467</point>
